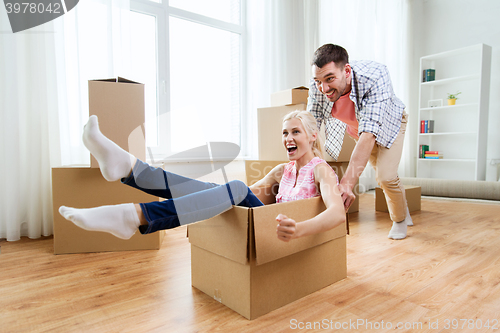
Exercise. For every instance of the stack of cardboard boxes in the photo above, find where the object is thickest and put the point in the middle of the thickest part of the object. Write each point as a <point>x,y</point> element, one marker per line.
<point>119,106</point>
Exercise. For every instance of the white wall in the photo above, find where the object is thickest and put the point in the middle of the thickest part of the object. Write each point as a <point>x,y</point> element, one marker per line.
<point>443,25</point>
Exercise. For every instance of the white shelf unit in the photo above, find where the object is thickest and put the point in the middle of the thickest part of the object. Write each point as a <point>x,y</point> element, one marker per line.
<point>461,130</point>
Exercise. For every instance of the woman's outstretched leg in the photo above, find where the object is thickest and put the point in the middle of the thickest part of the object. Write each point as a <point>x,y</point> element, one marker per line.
<point>114,162</point>
<point>125,219</point>
<point>196,200</point>
<point>196,207</point>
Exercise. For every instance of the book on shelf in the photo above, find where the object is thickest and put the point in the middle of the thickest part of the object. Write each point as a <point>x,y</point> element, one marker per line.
<point>433,157</point>
<point>430,126</point>
<point>433,154</point>
<point>423,150</point>
<point>428,75</point>
<point>427,126</point>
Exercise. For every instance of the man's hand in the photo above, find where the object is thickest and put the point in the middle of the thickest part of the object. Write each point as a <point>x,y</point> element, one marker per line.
<point>347,195</point>
<point>286,228</point>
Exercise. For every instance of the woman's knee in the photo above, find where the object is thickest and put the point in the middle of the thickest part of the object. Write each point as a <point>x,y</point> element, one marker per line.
<point>239,190</point>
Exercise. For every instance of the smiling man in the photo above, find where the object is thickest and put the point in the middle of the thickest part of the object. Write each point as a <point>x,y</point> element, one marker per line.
<point>358,98</point>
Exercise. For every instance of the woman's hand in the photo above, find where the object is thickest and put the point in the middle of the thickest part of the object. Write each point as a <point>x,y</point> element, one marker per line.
<point>286,229</point>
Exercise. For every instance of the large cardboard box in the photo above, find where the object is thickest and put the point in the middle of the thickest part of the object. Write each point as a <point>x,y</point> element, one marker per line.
<point>270,129</point>
<point>297,95</point>
<point>256,170</point>
<point>413,196</point>
<point>237,259</point>
<point>84,187</point>
<point>119,105</point>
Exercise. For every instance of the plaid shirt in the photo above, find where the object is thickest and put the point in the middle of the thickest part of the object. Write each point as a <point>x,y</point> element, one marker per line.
<point>377,108</point>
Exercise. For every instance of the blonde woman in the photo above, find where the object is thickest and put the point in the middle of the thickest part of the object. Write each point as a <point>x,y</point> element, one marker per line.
<point>306,175</point>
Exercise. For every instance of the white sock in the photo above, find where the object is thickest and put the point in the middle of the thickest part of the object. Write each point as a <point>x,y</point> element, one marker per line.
<point>408,219</point>
<point>114,162</point>
<point>120,220</point>
<point>398,230</point>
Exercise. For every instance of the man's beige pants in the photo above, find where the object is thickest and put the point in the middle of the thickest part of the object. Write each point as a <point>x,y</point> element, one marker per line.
<point>385,161</point>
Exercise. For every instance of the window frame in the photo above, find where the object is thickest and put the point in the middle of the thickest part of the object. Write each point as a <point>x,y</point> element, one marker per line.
<point>162,13</point>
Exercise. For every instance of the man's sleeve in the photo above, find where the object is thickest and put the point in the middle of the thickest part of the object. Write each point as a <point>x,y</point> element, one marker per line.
<point>376,102</point>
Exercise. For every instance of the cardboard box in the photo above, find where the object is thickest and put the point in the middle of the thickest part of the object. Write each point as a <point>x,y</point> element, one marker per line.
<point>413,196</point>
<point>297,95</point>
<point>270,129</point>
<point>84,187</point>
<point>119,105</point>
<point>237,259</point>
<point>257,169</point>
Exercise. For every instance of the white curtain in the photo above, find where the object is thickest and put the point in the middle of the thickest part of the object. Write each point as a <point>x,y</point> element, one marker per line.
<point>280,40</point>
<point>373,30</point>
<point>44,104</point>
<point>28,121</point>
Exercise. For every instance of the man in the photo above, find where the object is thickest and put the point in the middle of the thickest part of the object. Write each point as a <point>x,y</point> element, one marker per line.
<point>358,98</point>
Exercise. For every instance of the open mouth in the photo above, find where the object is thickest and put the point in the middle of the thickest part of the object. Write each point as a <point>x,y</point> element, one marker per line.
<point>330,94</point>
<point>291,148</point>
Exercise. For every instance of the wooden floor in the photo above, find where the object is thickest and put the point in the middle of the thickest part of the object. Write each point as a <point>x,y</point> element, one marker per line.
<point>447,268</point>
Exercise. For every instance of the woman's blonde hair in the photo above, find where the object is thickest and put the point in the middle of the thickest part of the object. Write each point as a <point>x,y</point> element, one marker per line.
<point>311,128</point>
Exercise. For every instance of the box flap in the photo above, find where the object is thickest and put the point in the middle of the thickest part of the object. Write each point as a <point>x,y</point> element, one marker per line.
<point>104,80</point>
<point>225,234</point>
<point>115,79</point>
<point>124,80</point>
<point>267,245</point>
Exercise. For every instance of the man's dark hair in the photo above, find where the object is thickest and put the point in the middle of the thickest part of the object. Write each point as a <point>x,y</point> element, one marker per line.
<point>328,53</point>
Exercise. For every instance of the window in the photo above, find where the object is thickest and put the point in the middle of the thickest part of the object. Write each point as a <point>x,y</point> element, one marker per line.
<point>188,53</point>
<point>224,10</point>
<point>143,58</point>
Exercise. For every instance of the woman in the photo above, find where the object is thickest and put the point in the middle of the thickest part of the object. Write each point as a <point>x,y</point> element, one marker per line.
<point>306,175</point>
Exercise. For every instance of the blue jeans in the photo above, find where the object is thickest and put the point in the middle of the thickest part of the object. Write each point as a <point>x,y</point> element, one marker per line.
<point>188,200</point>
